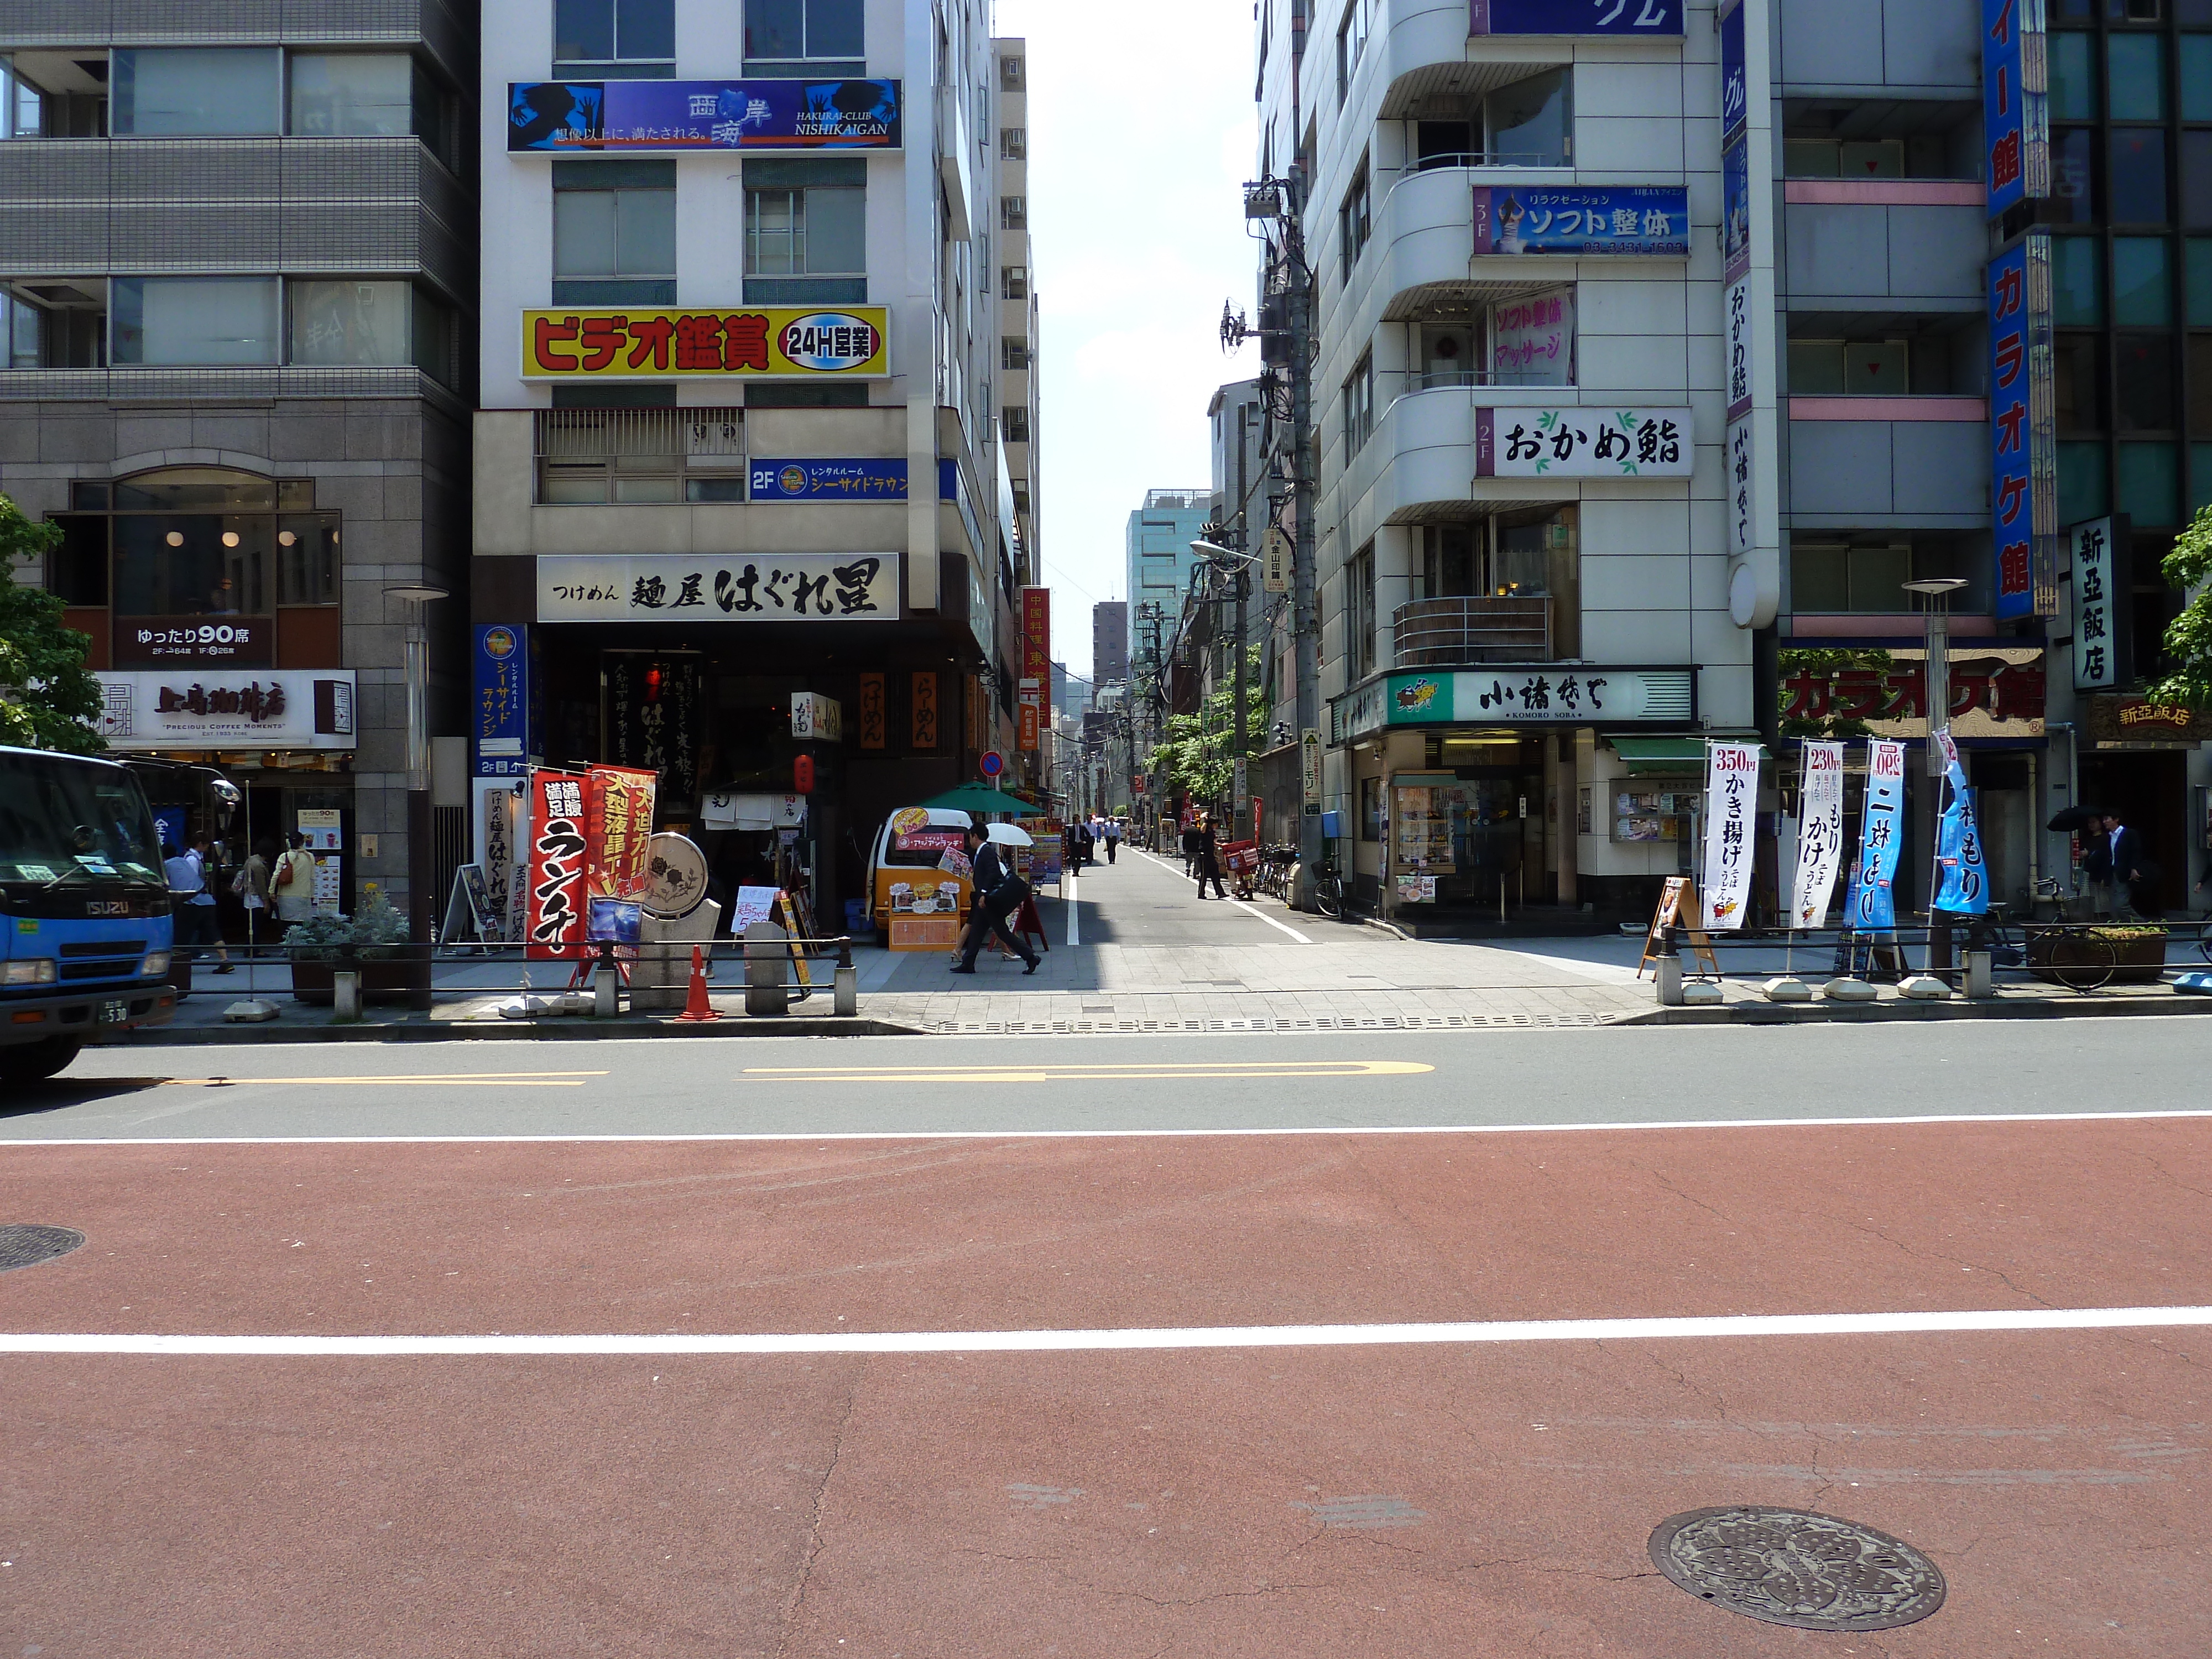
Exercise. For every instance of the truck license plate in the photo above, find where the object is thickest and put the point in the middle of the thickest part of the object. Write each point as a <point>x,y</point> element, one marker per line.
<point>113,1013</point>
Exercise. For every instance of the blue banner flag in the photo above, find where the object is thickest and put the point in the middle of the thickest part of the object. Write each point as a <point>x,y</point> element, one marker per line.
<point>1881,838</point>
<point>1963,887</point>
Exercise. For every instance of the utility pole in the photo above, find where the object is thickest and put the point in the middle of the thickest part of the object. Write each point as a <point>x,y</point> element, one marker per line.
<point>1244,545</point>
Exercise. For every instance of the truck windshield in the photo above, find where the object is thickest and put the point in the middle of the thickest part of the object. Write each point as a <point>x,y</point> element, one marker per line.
<point>60,817</point>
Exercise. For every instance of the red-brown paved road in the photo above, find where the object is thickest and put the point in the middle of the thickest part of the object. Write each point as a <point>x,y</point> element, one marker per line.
<point>1187,1503</point>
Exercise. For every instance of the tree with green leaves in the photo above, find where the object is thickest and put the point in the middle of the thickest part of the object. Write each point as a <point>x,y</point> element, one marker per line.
<point>1201,752</point>
<point>48,698</point>
<point>2189,636</point>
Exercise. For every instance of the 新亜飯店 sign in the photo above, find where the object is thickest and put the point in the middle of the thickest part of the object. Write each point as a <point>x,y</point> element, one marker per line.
<point>756,342</point>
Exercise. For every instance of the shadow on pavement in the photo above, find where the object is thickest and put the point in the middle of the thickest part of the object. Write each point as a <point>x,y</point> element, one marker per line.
<point>30,1099</point>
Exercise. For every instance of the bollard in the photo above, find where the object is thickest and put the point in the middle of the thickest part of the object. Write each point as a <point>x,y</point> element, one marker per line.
<point>1670,982</point>
<point>765,949</point>
<point>605,997</point>
<point>1980,976</point>
<point>846,997</point>
<point>345,996</point>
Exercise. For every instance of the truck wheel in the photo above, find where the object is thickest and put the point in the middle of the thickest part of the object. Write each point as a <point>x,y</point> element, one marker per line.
<point>34,1062</point>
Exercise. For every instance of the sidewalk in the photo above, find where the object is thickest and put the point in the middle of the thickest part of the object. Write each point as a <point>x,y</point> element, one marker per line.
<point>1134,949</point>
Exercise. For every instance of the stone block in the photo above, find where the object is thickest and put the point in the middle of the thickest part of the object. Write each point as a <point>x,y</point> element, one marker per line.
<point>1849,990</point>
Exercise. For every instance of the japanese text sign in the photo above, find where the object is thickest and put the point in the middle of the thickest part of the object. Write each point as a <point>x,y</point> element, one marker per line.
<point>1731,808</point>
<point>755,343</point>
<point>1881,838</point>
<point>1582,443</point>
<point>1531,340</point>
<point>2015,107</point>
<point>1735,81</point>
<point>2102,605</point>
<point>1820,834</point>
<point>859,480</point>
<point>499,715</point>
<point>1036,638</point>
<point>228,641</point>
<point>1963,877</point>
<point>1517,696</point>
<point>574,117</point>
<point>1583,218</point>
<point>558,860</point>
<point>2023,453</point>
<point>1995,691</point>
<point>1651,19</point>
<point>618,825</point>
<point>685,588</point>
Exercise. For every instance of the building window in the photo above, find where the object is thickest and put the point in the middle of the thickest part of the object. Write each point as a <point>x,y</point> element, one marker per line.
<point>194,320</point>
<point>193,91</point>
<point>1013,355</point>
<point>1014,282</point>
<point>1014,423</point>
<point>1530,123</point>
<point>1853,576</point>
<point>1370,809</point>
<point>1012,75</point>
<point>372,95</point>
<point>633,35</point>
<point>341,323</point>
<point>795,29</point>
<point>1013,213</point>
<point>806,217</point>
<point>2137,179</point>
<point>1351,43</point>
<point>1354,220</point>
<point>1359,405</point>
<point>197,541</point>
<point>49,325</point>
<point>1014,143</point>
<point>1359,612</point>
<point>614,232</point>
<point>621,457</point>
<point>1856,367</point>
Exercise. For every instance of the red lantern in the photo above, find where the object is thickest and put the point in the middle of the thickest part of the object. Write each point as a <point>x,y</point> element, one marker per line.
<point>802,776</point>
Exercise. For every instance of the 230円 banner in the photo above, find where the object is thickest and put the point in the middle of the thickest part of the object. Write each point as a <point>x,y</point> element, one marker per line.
<point>753,342</point>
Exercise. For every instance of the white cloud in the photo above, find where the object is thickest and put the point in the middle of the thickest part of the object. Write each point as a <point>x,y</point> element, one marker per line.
<point>1140,128</point>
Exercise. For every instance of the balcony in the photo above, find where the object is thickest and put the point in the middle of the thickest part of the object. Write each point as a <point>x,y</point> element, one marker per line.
<point>1885,256</point>
<point>1462,633</point>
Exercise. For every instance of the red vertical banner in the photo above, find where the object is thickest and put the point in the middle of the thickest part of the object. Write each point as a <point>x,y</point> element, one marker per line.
<point>1036,687</point>
<point>618,824</point>
<point>558,843</point>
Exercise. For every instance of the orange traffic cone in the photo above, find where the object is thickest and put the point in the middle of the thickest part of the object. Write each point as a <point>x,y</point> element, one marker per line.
<point>696,1007</point>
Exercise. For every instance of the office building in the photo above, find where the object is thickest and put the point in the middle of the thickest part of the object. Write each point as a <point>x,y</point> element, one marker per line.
<point>1109,641</point>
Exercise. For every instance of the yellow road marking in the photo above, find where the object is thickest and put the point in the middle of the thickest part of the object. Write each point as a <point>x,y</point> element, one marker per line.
<point>1075,1073</point>
<point>479,1079</point>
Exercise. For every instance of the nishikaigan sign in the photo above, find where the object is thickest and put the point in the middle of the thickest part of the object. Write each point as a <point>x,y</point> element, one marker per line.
<point>1731,808</point>
<point>686,587</point>
<point>756,342</point>
<point>578,117</point>
<point>1581,443</point>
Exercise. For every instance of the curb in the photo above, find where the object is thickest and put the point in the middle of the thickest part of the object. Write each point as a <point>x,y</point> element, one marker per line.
<point>563,1029</point>
<point>1900,1012</point>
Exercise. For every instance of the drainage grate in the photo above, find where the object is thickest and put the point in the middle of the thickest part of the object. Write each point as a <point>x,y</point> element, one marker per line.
<point>24,1245</point>
<point>1794,1567</point>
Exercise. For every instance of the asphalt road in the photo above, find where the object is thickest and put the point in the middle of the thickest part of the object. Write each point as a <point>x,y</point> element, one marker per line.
<point>523,1348</point>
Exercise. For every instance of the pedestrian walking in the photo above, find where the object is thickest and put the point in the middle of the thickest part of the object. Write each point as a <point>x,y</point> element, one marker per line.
<point>1190,849</point>
<point>252,888</point>
<point>1208,861</point>
<point>998,893</point>
<point>293,885</point>
<point>2115,862</point>
<point>1113,838</point>
<point>1083,844</point>
<point>192,923</point>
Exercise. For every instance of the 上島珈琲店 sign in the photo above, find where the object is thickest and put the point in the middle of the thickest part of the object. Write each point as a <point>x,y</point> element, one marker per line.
<point>1545,694</point>
<point>161,708</point>
<point>630,344</point>
<point>854,480</point>
<point>1581,443</point>
<point>686,587</point>
<point>1653,19</point>
<point>634,116</point>
<point>1583,218</point>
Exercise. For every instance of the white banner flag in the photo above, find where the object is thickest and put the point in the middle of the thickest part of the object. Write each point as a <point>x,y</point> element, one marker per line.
<point>1731,809</point>
<point>1820,834</point>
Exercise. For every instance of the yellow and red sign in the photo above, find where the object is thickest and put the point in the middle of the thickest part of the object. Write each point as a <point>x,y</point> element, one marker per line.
<point>752,342</point>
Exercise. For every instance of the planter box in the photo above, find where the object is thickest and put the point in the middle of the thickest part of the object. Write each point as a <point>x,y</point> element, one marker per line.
<point>313,983</point>
<point>2136,961</point>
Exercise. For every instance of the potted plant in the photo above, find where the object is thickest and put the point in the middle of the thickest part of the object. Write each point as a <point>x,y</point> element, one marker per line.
<point>2138,954</point>
<point>373,942</point>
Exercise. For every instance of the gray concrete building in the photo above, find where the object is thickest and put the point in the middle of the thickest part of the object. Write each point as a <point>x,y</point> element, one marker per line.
<point>237,279</point>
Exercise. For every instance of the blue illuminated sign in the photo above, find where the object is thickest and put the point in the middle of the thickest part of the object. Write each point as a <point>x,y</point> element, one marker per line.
<point>1583,218</point>
<point>864,480</point>
<point>1651,18</point>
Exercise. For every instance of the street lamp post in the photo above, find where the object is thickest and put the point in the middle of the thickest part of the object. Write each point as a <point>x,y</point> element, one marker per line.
<point>421,900</point>
<point>1936,593</point>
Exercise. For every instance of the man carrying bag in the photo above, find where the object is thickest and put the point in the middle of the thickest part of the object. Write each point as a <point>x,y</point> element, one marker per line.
<point>998,893</point>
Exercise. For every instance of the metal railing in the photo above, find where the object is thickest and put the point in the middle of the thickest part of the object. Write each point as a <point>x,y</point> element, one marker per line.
<point>1449,633</point>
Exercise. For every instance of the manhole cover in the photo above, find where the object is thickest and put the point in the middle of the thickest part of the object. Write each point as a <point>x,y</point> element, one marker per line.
<point>22,1245</point>
<point>1793,1567</point>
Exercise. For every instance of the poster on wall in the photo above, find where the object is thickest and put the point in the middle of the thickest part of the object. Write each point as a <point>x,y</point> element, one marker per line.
<point>1582,443</point>
<point>1731,802</point>
<point>1582,220</point>
<point>1881,838</point>
<point>659,117</point>
<point>1531,340</point>
<point>1820,834</point>
<point>578,343</point>
<point>558,849</point>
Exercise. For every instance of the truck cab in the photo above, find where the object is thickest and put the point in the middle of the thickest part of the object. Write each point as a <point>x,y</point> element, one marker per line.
<point>85,925</point>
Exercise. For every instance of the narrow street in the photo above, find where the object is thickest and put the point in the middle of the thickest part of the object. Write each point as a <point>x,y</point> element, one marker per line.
<point>1180,1344</point>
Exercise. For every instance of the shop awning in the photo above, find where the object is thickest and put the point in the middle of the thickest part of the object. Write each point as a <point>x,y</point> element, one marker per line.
<point>1646,756</point>
<point>981,798</point>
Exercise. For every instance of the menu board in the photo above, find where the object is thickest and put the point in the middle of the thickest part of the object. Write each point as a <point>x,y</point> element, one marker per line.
<point>1655,814</point>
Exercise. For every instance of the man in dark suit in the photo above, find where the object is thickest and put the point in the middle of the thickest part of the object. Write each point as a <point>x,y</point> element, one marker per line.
<point>998,893</point>
<point>2117,865</point>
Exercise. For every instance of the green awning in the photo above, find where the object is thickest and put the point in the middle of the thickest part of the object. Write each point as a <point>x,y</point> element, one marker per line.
<point>981,798</point>
<point>1646,756</point>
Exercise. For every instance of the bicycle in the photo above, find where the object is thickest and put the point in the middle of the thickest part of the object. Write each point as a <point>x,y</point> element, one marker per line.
<point>2071,954</point>
<point>1328,890</point>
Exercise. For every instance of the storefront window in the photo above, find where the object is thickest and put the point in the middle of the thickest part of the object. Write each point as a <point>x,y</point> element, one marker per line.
<point>193,91</point>
<point>192,565</point>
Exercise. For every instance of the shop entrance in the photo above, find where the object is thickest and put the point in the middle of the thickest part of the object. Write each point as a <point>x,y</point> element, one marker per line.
<point>2149,790</point>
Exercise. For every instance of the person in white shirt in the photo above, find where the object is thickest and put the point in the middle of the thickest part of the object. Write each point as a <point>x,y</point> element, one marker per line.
<point>293,884</point>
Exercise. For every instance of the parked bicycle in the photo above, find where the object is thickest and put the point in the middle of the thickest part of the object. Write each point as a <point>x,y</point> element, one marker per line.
<point>1328,889</point>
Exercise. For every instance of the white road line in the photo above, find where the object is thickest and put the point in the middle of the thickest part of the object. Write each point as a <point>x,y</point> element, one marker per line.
<point>1902,1122</point>
<point>1720,1328</point>
<point>1249,910</point>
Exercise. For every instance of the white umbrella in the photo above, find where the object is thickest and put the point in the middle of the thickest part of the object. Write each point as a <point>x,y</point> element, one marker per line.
<point>1008,835</point>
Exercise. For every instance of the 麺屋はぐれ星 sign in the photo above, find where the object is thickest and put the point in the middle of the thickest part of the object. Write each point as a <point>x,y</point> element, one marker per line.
<point>1582,443</point>
<point>685,588</point>
<point>756,342</point>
